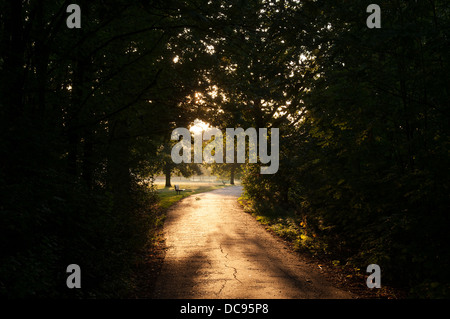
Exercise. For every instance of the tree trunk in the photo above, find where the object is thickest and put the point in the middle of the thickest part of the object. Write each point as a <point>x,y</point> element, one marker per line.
<point>233,168</point>
<point>168,172</point>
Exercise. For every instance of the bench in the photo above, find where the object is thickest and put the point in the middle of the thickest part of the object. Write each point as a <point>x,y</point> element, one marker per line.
<point>178,190</point>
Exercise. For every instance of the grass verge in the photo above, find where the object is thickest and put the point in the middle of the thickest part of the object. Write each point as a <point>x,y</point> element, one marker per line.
<point>295,233</point>
<point>168,196</point>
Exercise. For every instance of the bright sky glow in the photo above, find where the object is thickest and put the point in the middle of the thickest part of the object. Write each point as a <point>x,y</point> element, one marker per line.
<point>198,126</point>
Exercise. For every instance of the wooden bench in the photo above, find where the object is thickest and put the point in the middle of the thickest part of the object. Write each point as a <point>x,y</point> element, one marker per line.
<point>178,190</point>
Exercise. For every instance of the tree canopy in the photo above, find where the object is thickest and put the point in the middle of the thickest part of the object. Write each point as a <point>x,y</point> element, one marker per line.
<point>86,116</point>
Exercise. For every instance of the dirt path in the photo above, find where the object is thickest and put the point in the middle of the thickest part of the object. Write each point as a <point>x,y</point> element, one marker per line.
<point>215,250</point>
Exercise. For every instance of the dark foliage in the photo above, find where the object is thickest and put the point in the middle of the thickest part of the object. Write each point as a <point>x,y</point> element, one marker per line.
<point>85,115</point>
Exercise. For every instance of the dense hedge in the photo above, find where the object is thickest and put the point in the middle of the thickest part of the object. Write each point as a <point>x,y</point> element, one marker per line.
<point>49,222</point>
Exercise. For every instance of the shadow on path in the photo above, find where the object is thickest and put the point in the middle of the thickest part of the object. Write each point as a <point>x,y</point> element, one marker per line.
<point>216,250</point>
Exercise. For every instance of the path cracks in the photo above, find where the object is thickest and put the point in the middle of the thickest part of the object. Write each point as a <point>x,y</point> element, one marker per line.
<point>225,255</point>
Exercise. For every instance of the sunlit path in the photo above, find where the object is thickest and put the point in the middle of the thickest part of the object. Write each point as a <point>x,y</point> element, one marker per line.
<point>215,250</point>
